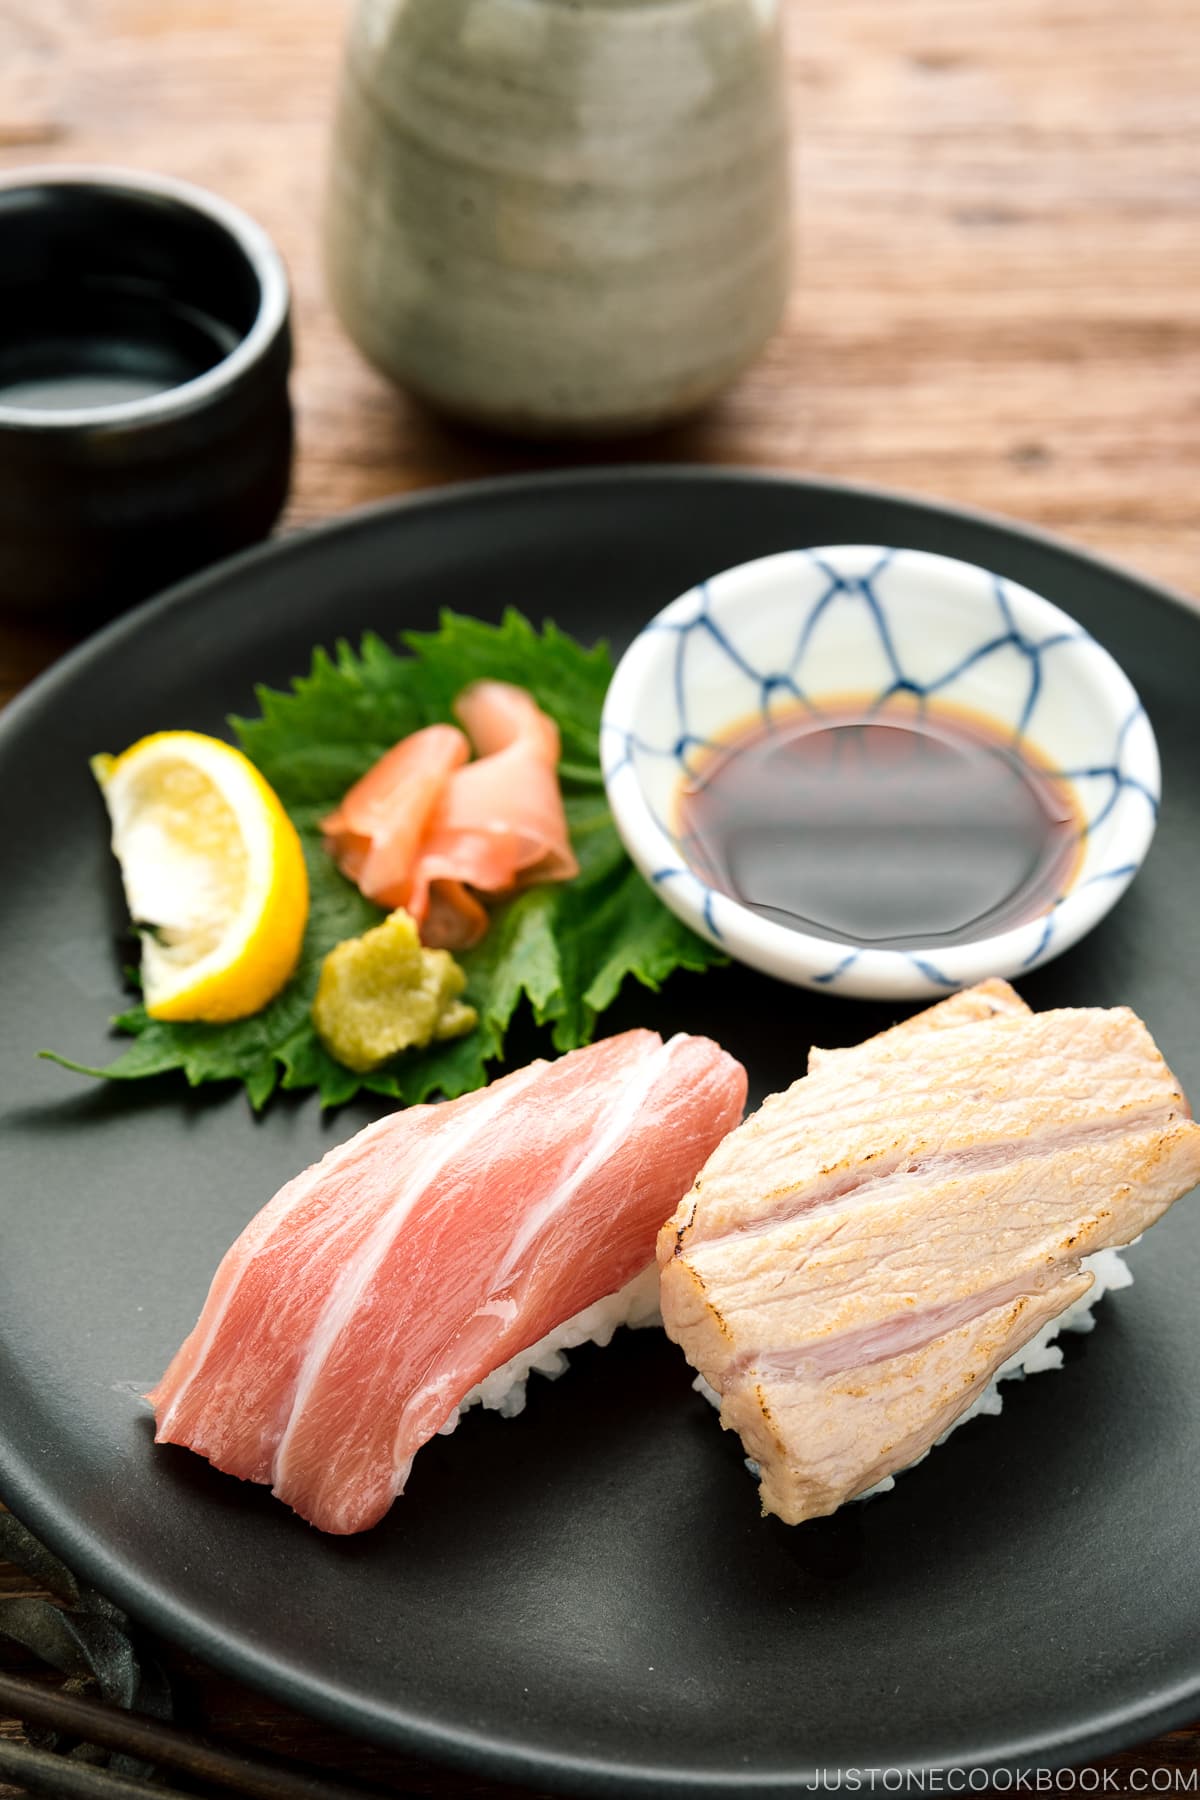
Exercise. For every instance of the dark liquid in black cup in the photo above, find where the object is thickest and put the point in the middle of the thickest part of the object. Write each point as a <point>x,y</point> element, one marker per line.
<point>103,346</point>
<point>897,828</point>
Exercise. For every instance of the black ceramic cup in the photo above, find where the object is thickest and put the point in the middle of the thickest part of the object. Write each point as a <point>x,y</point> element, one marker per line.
<point>145,427</point>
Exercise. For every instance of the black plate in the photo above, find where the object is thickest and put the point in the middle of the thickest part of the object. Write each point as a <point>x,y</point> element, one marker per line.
<point>584,1598</point>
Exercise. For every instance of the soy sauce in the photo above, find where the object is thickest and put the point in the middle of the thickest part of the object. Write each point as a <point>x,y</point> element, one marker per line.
<point>900,827</point>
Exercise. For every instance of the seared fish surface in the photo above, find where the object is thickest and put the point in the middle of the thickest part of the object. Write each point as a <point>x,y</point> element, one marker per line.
<point>856,1260</point>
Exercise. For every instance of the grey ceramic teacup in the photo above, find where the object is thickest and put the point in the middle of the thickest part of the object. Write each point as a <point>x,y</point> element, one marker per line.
<point>561,217</point>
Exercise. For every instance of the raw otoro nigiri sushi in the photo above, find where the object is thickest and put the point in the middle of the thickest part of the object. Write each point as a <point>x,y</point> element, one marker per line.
<point>441,1252</point>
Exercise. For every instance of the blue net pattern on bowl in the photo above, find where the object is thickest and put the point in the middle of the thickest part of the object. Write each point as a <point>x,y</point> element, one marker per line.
<point>1100,784</point>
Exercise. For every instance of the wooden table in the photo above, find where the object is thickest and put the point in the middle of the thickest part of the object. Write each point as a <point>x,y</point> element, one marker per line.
<point>996,302</point>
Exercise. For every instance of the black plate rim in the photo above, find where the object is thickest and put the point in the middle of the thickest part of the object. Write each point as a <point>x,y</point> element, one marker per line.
<point>507,1759</point>
<point>498,487</point>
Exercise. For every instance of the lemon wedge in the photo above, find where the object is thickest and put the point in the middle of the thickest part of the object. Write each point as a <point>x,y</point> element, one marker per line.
<point>213,873</point>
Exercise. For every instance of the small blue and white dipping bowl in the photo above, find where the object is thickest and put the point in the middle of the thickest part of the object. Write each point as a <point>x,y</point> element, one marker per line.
<point>805,626</point>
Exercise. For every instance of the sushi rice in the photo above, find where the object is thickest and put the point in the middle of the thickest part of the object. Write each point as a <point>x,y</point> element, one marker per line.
<point>503,1391</point>
<point>636,1305</point>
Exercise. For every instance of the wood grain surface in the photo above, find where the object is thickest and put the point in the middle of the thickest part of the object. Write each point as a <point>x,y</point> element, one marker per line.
<point>995,302</point>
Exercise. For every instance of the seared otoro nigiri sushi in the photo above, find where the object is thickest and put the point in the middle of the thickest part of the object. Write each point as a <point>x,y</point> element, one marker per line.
<point>433,1260</point>
<point>860,1258</point>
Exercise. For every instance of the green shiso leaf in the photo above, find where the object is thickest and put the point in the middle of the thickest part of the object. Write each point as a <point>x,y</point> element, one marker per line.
<point>565,949</point>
